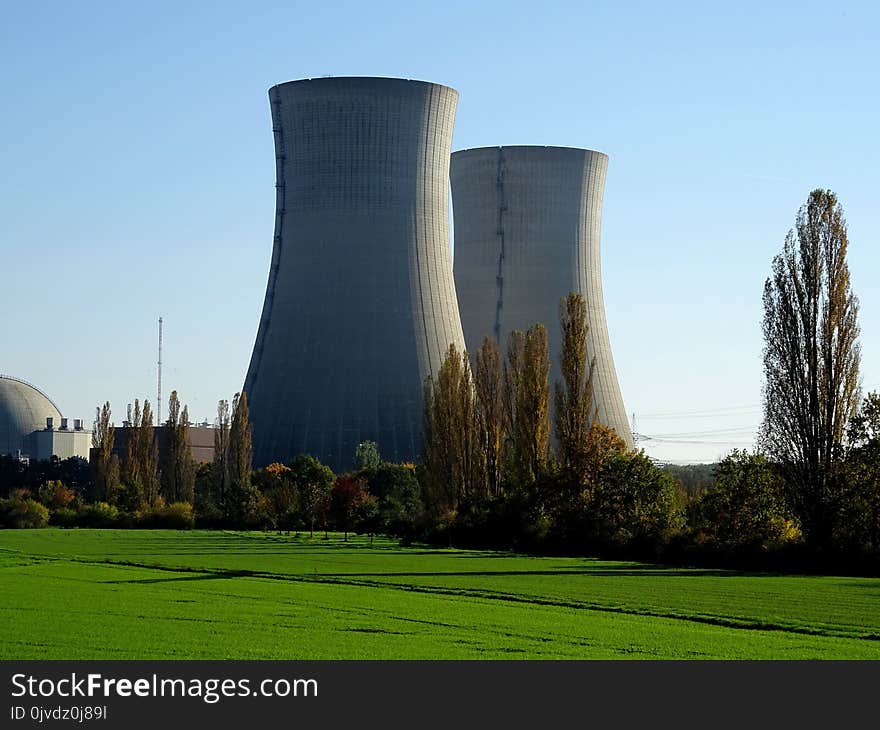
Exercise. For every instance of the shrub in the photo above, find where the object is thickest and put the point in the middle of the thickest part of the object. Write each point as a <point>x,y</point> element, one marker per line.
<point>636,501</point>
<point>21,513</point>
<point>397,490</point>
<point>174,516</point>
<point>99,514</point>
<point>207,513</point>
<point>279,497</point>
<point>257,512</point>
<point>444,526</point>
<point>178,516</point>
<point>745,510</point>
<point>62,517</point>
<point>54,494</point>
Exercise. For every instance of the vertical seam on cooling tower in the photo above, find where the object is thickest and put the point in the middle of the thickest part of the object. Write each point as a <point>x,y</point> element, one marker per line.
<point>281,203</point>
<point>499,276</point>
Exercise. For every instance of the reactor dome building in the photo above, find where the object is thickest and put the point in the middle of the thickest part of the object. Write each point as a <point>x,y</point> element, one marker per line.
<point>360,305</point>
<point>527,230</point>
<point>23,409</point>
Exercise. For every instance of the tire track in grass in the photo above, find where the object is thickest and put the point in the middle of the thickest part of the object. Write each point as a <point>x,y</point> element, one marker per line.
<point>730,622</point>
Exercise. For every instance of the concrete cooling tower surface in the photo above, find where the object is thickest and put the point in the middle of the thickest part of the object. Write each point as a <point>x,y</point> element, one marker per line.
<point>527,231</point>
<point>360,306</point>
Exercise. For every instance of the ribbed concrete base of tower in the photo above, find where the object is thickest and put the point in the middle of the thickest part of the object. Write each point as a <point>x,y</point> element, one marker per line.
<point>527,232</point>
<point>360,306</point>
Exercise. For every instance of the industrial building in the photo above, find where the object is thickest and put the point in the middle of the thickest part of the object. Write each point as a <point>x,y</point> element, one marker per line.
<point>527,232</point>
<point>32,427</point>
<point>200,439</point>
<point>360,305</point>
<point>61,441</point>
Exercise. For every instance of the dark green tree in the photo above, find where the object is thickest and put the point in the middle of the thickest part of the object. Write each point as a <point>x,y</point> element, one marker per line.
<point>207,509</point>
<point>313,481</point>
<point>281,499</point>
<point>367,456</point>
<point>859,523</point>
<point>398,495</point>
<point>636,502</point>
<point>574,499</point>
<point>746,507</point>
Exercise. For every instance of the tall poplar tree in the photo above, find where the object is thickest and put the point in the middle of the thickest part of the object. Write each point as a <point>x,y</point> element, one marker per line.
<point>221,474</point>
<point>148,456</point>
<point>178,469</point>
<point>573,397</point>
<point>106,466</point>
<point>811,361</point>
<point>240,442</point>
<point>139,468</point>
<point>489,404</point>
<point>450,449</point>
<point>527,400</point>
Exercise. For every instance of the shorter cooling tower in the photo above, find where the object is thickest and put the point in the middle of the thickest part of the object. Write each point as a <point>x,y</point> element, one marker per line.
<point>527,227</point>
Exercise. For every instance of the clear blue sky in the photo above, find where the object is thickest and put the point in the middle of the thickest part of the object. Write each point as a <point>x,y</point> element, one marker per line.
<point>138,171</point>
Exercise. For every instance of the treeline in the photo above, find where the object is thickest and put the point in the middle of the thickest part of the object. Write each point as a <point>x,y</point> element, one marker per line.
<point>695,478</point>
<point>142,481</point>
<point>510,463</point>
<point>499,470</point>
<point>142,489</point>
<point>809,496</point>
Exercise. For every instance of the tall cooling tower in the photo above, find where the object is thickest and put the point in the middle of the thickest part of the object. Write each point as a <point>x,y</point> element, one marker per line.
<point>527,226</point>
<point>360,306</point>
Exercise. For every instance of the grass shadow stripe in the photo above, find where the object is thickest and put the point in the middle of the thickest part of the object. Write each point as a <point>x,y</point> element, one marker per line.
<point>730,622</point>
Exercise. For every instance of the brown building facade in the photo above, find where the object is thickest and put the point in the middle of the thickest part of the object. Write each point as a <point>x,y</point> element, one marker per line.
<point>201,442</point>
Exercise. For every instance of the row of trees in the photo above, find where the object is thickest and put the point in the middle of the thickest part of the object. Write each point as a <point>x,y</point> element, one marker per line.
<point>499,467</point>
<point>377,497</point>
<point>812,487</point>
<point>141,480</point>
<point>144,490</point>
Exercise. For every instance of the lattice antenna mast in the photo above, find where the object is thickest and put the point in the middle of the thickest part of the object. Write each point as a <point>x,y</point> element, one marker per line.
<point>635,431</point>
<point>159,383</point>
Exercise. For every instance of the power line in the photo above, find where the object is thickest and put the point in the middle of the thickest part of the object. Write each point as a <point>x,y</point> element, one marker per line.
<point>741,431</point>
<point>678,462</point>
<point>705,413</point>
<point>661,440</point>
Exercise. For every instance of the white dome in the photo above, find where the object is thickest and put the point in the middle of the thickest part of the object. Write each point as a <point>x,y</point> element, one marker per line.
<point>23,409</point>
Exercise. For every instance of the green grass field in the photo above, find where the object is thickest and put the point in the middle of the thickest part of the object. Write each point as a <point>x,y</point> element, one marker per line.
<point>128,594</point>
